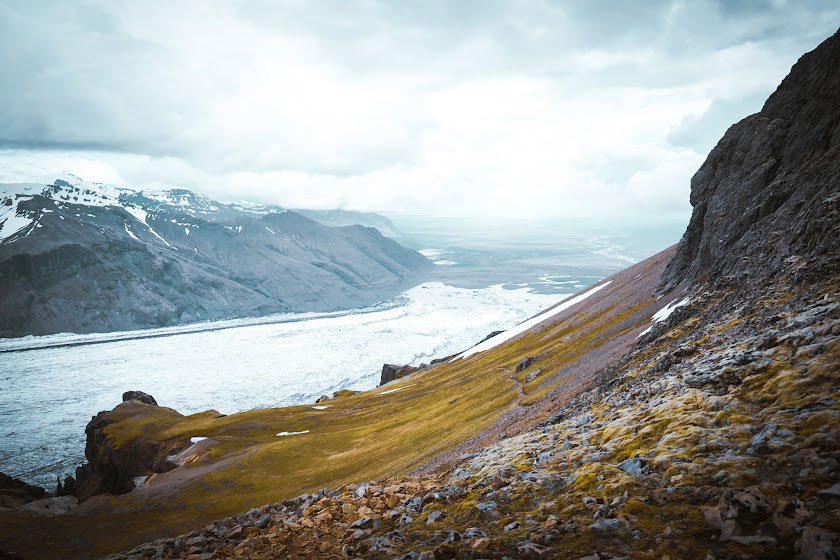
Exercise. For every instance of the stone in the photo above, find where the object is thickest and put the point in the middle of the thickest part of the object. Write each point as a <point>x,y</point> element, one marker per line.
<point>636,466</point>
<point>512,526</point>
<point>830,492</point>
<point>524,364</point>
<point>144,398</point>
<point>481,544</point>
<point>391,372</point>
<point>791,515</point>
<point>606,524</point>
<point>435,516</point>
<point>767,431</point>
<point>818,544</point>
<point>474,532</point>
<point>532,375</point>
<point>59,505</point>
<point>755,539</point>
<point>486,506</point>
<point>361,523</point>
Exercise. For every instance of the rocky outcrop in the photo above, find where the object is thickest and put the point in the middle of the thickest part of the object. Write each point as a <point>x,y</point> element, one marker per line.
<point>768,195</point>
<point>112,466</point>
<point>144,398</point>
<point>14,493</point>
<point>392,372</point>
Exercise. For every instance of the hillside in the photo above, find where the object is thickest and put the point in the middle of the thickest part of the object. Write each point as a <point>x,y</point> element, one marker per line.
<point>83,257</point>
<point>685,407</point>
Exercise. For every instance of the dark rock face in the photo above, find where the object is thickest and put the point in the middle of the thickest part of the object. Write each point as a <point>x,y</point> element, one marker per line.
<point>139,396</point>
<point>110,468</point>
<point>768,195</point>
<point>15,493</point>
<point>390,372</point>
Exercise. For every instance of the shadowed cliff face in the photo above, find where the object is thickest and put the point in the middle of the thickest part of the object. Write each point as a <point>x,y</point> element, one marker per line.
<point>768,195</point>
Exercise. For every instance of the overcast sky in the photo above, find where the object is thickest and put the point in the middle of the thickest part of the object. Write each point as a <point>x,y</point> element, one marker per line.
<point>518,109</point>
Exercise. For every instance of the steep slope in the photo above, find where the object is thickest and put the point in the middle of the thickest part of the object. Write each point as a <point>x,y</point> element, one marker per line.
<point>88,257</point>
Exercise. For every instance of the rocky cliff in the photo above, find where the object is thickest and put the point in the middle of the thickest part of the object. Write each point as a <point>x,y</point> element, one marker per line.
<point>768,196</point>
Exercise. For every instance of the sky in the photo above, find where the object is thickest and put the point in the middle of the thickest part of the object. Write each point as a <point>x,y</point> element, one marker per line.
<point>516,109</point>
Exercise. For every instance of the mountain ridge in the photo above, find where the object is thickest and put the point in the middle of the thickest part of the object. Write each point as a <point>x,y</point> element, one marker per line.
<point>86,258</point>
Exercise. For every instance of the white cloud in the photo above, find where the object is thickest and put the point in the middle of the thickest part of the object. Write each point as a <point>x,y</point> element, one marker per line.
<point>532,108</point>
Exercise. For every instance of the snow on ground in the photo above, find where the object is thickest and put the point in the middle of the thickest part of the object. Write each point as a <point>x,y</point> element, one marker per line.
<point>129,232</point>
<point>395,390</point>
<point>10,222</point>
<point>282,434</point>
<point>525,325</point>
<point>664,313</point>
<point>273,361</point>
<point>142,216</point>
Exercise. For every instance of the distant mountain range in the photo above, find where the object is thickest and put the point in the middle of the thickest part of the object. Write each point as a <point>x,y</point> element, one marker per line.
<point>87,257</point>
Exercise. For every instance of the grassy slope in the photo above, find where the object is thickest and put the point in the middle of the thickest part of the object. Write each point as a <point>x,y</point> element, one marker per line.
<point>367,436</point>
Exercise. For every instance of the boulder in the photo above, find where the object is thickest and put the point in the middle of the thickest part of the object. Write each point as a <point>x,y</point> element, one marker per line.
<point>524,363</point>
<point>144,398</point>
<point>391,372</point>
<point>58,505</point>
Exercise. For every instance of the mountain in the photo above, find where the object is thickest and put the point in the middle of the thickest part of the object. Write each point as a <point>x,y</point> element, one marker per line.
<point>337,218</point>
<point>85,257</point>
<point>350,217</point>
<point>686,407</point>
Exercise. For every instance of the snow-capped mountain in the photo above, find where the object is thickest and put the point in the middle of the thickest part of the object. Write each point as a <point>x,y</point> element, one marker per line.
<point>81,257</point>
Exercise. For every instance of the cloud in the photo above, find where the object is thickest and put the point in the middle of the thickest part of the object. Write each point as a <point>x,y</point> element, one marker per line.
<point>462,108</point>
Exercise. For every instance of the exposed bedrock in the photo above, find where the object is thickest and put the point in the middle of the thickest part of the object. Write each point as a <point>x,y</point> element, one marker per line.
<point>768,195</point>
<point>113,463</point>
